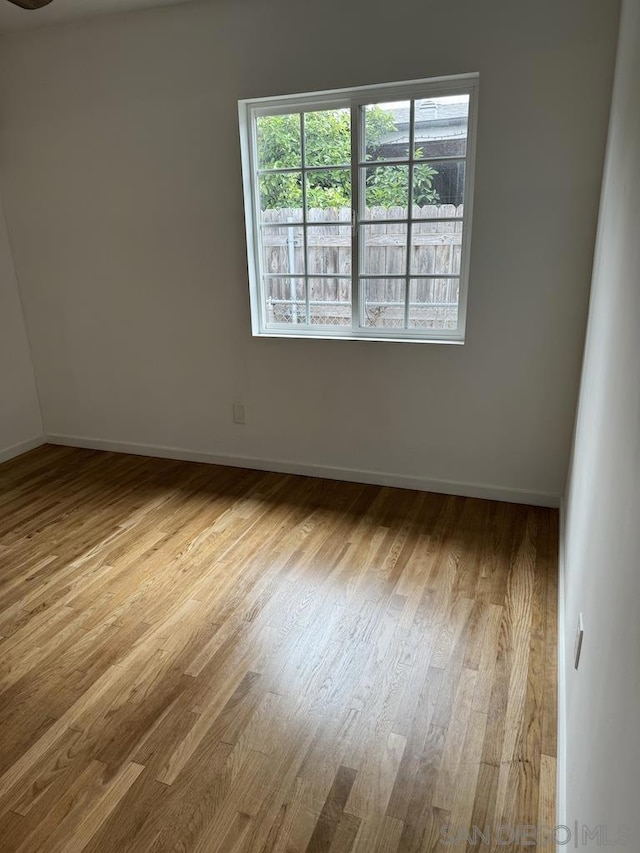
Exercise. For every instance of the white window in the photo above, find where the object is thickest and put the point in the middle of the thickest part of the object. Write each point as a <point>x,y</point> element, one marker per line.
<point>358,210</point>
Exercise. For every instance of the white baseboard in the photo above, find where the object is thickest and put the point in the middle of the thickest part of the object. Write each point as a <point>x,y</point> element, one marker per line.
<point>561,763</point>
<point>283,466</point>
<point>21,447</point>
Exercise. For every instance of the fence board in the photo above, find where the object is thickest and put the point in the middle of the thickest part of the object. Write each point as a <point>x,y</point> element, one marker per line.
<point>436,248</point>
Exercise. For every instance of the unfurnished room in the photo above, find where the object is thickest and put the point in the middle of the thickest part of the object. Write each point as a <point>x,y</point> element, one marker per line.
<point>319,426</point>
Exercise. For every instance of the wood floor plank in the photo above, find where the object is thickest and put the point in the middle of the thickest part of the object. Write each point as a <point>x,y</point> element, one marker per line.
<point>332,811</point>
<point>202,658</point>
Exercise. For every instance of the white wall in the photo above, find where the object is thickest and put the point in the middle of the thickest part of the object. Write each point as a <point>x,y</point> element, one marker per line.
<point>602,540</point>
<point>20,423</point>
<point>120,157</point>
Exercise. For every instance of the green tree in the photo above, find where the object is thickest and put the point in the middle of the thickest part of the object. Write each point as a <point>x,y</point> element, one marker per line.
<point>327,142</point>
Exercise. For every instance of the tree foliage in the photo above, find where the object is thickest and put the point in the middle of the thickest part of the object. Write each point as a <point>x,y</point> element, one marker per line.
<point>327,142</point>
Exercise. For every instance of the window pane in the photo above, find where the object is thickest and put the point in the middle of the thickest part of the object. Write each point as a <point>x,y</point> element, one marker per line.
<point>330,301</point>
<point>282,250</point>
<point>433,303</point>
<point>437,184</point>
<point>285,300</point>
<point>329,249</point>
<point>327,138</point>
<point>383,302</point>
<point>386,187</point>
<point>281,193</point>
<point>384,249</point>
<point>328,194</point>
<point>386,130</point>
<point>279,142</point>
<point>436,248</point>
<point>441,126</point>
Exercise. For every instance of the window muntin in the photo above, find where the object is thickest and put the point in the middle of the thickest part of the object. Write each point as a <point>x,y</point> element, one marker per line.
<point>358,207</point>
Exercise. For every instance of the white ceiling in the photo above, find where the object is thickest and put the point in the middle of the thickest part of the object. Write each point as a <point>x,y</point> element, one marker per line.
<point>14,18</point>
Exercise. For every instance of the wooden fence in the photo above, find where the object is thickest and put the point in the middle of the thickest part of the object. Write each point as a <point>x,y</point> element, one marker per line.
<point>435,251</point>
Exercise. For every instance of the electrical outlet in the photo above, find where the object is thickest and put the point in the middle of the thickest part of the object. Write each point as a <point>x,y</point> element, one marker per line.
<point>239,413</point>
<point>579,638</point>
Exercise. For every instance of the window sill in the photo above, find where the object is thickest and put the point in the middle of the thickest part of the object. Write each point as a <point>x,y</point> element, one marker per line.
<point>396,339</point>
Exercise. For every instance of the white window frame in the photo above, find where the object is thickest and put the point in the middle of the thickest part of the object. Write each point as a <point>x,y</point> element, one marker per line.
<point>354,98</point>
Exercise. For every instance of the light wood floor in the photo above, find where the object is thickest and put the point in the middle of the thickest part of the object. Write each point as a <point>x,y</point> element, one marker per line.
<point>196,658</point>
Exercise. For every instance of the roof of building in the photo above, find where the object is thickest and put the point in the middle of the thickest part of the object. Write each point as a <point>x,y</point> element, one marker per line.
<point>435,119</point>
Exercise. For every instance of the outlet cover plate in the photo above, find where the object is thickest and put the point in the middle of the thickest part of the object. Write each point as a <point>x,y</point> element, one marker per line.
<point>579,639</point>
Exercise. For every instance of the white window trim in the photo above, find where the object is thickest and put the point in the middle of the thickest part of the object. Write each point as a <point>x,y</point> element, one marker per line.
<point>249,109</point>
